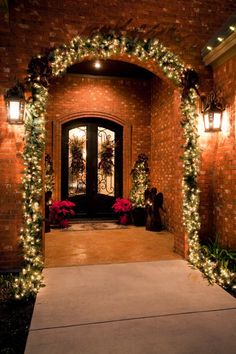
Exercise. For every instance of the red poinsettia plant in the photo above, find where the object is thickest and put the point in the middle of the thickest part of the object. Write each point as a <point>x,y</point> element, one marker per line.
<point>122,205</point>
<point>60,212</point>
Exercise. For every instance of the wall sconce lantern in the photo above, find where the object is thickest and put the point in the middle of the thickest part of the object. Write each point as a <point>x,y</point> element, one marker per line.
<point>212,110</point>
<point>15,104</point>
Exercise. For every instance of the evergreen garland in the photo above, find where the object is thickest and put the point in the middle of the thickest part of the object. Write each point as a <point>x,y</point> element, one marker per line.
<point>54,64</point>
<point>30,278</point>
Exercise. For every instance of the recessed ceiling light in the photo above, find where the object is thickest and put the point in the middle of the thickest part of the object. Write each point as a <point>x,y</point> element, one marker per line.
<point>97,64</point>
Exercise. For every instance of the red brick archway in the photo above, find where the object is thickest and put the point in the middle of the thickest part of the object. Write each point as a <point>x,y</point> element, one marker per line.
<point>157,119</point>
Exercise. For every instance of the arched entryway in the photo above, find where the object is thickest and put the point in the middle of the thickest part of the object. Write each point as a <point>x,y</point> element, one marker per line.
<point>92,165</point>
<point>53,65</point>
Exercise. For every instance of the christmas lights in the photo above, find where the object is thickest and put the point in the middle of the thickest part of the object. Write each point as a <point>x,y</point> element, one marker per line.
<point>30,279</point>
<point>57,61</point>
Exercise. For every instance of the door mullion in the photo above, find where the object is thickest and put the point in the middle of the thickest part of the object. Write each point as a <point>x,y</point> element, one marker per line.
<point>92,167</point>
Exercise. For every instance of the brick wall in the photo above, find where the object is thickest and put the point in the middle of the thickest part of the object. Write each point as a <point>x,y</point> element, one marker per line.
<point>10,202</point>
<point>218,177</point>
<point>29,27</point>
<point>166,166</point>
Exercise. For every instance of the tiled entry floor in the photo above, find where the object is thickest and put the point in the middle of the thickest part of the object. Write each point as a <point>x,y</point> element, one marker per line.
<point>131,244</point>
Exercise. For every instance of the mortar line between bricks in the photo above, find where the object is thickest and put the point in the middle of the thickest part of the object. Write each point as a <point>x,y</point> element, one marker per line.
<point>132,319</point>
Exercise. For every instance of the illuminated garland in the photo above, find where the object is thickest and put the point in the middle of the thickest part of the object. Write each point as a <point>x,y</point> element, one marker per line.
<point>55,64</point>
<point>30,279</point>
<point>215,273</point>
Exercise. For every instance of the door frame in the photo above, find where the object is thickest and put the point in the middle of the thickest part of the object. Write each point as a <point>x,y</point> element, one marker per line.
<point>55,130</point>
<point>92,124</point>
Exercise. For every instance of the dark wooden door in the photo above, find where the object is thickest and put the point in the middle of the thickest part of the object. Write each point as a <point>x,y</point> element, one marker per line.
<point>96,184</point>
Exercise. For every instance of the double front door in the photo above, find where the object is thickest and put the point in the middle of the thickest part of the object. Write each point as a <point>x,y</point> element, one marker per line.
<point>91,165</point>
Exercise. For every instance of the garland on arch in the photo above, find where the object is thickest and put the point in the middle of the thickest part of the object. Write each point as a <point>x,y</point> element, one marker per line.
<point>54,64</point>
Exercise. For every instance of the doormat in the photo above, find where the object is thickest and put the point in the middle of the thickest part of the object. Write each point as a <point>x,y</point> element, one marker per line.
<point>89,226</point>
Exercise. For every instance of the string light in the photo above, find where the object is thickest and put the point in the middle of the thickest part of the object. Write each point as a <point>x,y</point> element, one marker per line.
<point>30,279</point>
<point>97,64</point>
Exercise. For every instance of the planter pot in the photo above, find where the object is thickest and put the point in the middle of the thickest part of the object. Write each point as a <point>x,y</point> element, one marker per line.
<point>63,224</point>
<point>124,219</point>
<point>138,216</point>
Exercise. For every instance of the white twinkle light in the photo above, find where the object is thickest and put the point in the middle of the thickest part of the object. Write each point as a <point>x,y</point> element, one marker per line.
<point>97,64</point>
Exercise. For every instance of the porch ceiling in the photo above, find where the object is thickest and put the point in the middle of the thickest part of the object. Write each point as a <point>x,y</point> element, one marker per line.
<point>113,68</point>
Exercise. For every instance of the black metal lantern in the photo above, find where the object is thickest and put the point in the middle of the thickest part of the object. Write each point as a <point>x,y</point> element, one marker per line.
<point>212,113</point>
<point>15,104</point>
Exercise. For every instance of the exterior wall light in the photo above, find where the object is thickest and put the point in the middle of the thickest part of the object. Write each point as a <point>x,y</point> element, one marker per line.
<point>15,104</point>
<point>97,64</point>
<point>212,111</point>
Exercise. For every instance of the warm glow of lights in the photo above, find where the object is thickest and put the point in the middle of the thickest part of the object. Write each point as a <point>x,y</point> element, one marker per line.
<point>220,39</point>
<point>97,64</point>
<point>200,126</point>
<point>212,121</point>
<point>81,134</point>
<point>225,124</point>
<point>209,48</point>
<point>207,122</point>
<point>217,121</point>
<point>14,110</point>
<point>232,28</point>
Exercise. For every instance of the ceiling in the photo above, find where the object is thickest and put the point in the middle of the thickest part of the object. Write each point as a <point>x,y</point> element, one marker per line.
<point>113,68</point>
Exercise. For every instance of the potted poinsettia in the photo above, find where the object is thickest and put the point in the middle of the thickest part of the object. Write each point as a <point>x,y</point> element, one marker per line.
<point>123,208</point>
<point>60,212</point>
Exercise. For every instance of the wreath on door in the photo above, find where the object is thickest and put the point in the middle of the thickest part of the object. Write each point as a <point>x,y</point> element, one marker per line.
<point>77,165</point>
<point>106,154</point>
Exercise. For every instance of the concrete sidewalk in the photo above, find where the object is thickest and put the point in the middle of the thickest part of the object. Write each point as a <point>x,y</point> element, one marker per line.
<point>133,308</point>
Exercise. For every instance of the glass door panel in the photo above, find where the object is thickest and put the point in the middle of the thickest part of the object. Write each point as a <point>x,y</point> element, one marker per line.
<point>91,165</point>
<point>106,162</point>
<point>77,161</point>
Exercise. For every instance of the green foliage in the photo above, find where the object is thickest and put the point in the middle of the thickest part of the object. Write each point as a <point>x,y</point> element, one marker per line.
<point>222,257</point>
<point>140,181</point>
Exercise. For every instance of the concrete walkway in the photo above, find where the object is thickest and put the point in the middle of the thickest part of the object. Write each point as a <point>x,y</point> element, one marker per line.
<point>133,308</point>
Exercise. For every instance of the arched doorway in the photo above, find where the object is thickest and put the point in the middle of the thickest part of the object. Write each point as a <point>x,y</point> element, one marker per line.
<point>85,180</point>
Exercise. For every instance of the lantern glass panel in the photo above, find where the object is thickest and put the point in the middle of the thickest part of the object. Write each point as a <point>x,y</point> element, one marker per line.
<point>206,121</point>
<point>14,110</point>
<point>217,121</point>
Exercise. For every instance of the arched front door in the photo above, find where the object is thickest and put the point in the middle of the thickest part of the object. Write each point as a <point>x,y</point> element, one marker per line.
<point>91,165</point>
